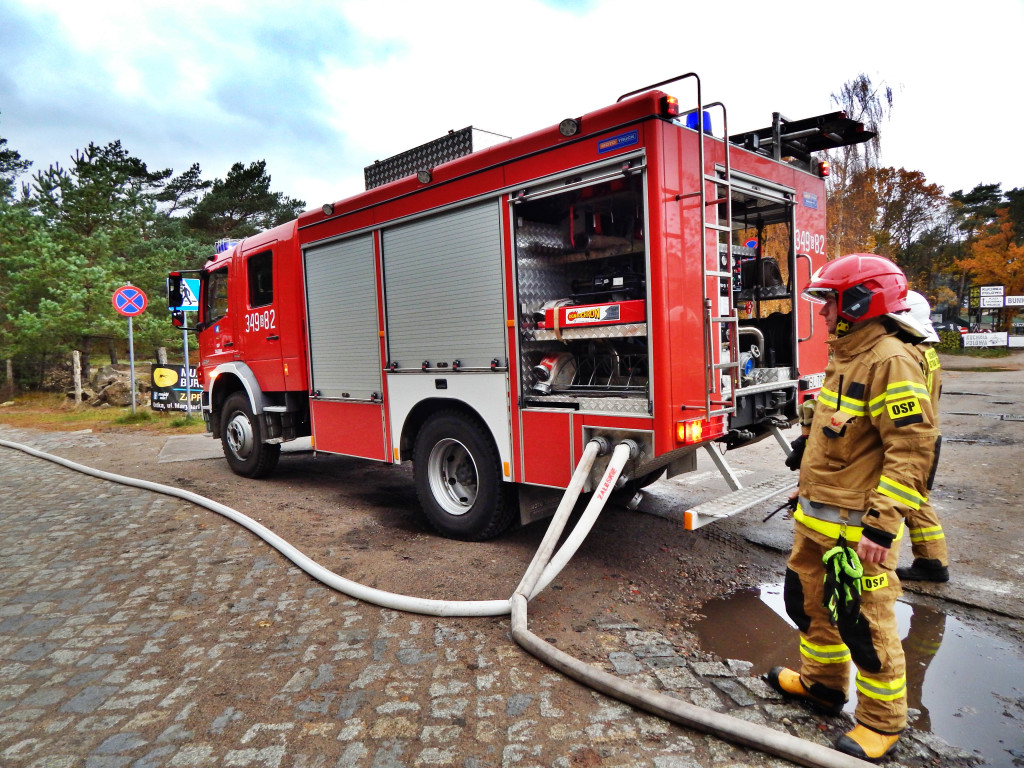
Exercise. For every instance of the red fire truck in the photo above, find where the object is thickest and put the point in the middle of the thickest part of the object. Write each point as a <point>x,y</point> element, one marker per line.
<point>629,273</point>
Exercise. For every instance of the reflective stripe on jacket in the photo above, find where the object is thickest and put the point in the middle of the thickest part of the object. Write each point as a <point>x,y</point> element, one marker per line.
<point>827,520</point>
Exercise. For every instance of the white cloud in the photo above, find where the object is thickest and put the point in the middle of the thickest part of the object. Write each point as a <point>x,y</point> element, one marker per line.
<point>321,89</point>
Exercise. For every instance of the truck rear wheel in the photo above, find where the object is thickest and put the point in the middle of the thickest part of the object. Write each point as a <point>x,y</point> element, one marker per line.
<point>242,440</point>
<point>458,478</point>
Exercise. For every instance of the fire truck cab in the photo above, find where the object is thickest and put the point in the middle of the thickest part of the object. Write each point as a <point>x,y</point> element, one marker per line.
<point>631,273</point>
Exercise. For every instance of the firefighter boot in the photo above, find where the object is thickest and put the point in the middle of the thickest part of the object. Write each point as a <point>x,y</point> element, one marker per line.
<point>924,570</point>
<point>867,744</point>
<point>788,683</point>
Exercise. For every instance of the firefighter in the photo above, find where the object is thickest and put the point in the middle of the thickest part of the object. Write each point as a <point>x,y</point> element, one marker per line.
<point>927,540</point>
<point>869,453</point>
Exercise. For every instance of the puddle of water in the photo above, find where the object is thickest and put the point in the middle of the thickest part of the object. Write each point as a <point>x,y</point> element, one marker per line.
<point>967,683</point>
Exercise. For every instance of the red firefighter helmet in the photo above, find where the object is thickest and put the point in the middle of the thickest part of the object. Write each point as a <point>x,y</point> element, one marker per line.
<point>864,285</point>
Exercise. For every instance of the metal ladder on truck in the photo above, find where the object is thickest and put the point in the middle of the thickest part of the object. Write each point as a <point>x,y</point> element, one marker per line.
<point>717,273</point>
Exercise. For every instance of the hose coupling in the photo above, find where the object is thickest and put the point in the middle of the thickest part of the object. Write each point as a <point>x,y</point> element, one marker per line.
<point>634,448</point>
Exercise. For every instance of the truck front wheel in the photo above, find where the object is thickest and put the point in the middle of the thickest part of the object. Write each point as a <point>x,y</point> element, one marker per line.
<point>458,478</point>
<point>242,440</point>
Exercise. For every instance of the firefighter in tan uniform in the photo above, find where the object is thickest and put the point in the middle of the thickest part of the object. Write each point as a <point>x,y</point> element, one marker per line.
<point>927,539</point>
<point>866,465</point>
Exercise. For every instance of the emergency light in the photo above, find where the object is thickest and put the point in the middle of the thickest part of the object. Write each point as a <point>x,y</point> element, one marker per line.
<point>669,106</point>
<point>824,168</point>
<point>705,118</point>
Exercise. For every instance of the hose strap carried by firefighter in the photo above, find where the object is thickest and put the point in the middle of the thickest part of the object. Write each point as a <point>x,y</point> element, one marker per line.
<point>843,572</point>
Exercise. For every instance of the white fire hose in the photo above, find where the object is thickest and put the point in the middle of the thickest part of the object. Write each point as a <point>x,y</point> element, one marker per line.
<point>543,569</point>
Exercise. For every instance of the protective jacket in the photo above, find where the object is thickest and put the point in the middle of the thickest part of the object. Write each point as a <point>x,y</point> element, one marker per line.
<point>873,442</point>
<point>927,539</point>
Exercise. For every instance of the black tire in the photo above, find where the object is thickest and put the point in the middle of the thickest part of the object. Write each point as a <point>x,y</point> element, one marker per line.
<point>242,439</point>
<point>458,478</point>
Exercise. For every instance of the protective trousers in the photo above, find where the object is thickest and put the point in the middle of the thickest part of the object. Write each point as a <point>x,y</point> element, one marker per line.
<point>926,537</point>
<point>870,639</point>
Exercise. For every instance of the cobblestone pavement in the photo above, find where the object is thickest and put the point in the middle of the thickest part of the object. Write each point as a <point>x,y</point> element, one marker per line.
<point>139,630</point>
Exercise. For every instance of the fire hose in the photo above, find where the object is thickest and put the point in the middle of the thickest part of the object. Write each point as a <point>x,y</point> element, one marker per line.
<point>544,567</point>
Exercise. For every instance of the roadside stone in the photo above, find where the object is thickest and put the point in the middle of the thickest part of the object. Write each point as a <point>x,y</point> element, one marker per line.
<point>122,742</point>
<point>89,699</point>
<point>625,663</point>
<point>739,667</point>
<point>677,678</point>
<point>759,688</point>
<point>649,644</point>
<point>734,691</point>
<point>711,669</point>
<point>703,697</point>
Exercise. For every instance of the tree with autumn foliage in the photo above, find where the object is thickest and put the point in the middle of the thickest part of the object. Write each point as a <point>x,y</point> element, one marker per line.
<point>996,257</point>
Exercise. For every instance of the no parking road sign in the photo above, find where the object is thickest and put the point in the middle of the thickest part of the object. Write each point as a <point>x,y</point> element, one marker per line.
<point>129,301</point>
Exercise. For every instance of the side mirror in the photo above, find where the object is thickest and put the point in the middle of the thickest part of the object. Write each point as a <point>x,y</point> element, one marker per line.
<point>176,295</point>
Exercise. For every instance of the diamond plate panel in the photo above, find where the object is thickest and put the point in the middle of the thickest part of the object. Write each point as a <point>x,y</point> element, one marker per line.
<point>767,375</point>
<point>630,405</point>
<point>624,331</point>
<point>450,147</point>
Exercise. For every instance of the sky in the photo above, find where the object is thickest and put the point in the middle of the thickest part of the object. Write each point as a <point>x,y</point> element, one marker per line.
<point>321,89</point>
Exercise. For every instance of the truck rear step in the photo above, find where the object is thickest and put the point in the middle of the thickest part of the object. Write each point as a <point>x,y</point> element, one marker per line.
<point>732,503</point>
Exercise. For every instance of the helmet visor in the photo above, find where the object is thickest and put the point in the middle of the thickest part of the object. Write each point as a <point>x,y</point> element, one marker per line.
<point>818,295</point>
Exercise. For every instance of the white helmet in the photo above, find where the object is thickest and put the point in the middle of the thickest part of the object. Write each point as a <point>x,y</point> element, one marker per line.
<point>921,311</point>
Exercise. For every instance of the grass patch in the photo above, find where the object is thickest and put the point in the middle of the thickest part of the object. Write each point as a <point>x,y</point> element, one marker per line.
<point>54,412</point>
<point>983,352</point>
<point>139,417</point>
<point>187,421</point>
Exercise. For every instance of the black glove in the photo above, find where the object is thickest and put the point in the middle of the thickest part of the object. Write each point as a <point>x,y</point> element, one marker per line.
<point>794,459</point>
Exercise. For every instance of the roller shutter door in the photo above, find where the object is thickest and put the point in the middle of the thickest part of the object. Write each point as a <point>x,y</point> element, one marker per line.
<point>341,296</point>
<point>443,287</point>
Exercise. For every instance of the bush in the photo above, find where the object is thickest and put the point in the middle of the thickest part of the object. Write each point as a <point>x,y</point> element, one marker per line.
<point>949,342</point>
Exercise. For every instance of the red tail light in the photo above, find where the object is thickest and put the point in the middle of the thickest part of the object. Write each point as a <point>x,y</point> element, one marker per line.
<point>690,432</point>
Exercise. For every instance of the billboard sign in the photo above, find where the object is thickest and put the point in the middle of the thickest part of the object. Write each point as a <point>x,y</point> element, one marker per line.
<point>170,392</point>
<point>985,339</point>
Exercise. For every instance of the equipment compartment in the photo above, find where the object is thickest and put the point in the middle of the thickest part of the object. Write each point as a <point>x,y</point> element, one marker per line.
<point>582,284</point>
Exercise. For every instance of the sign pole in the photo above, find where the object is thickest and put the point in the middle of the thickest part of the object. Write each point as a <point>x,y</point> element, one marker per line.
<point>130,301</point>
<point>131,360</point>
<point>188,376</point>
